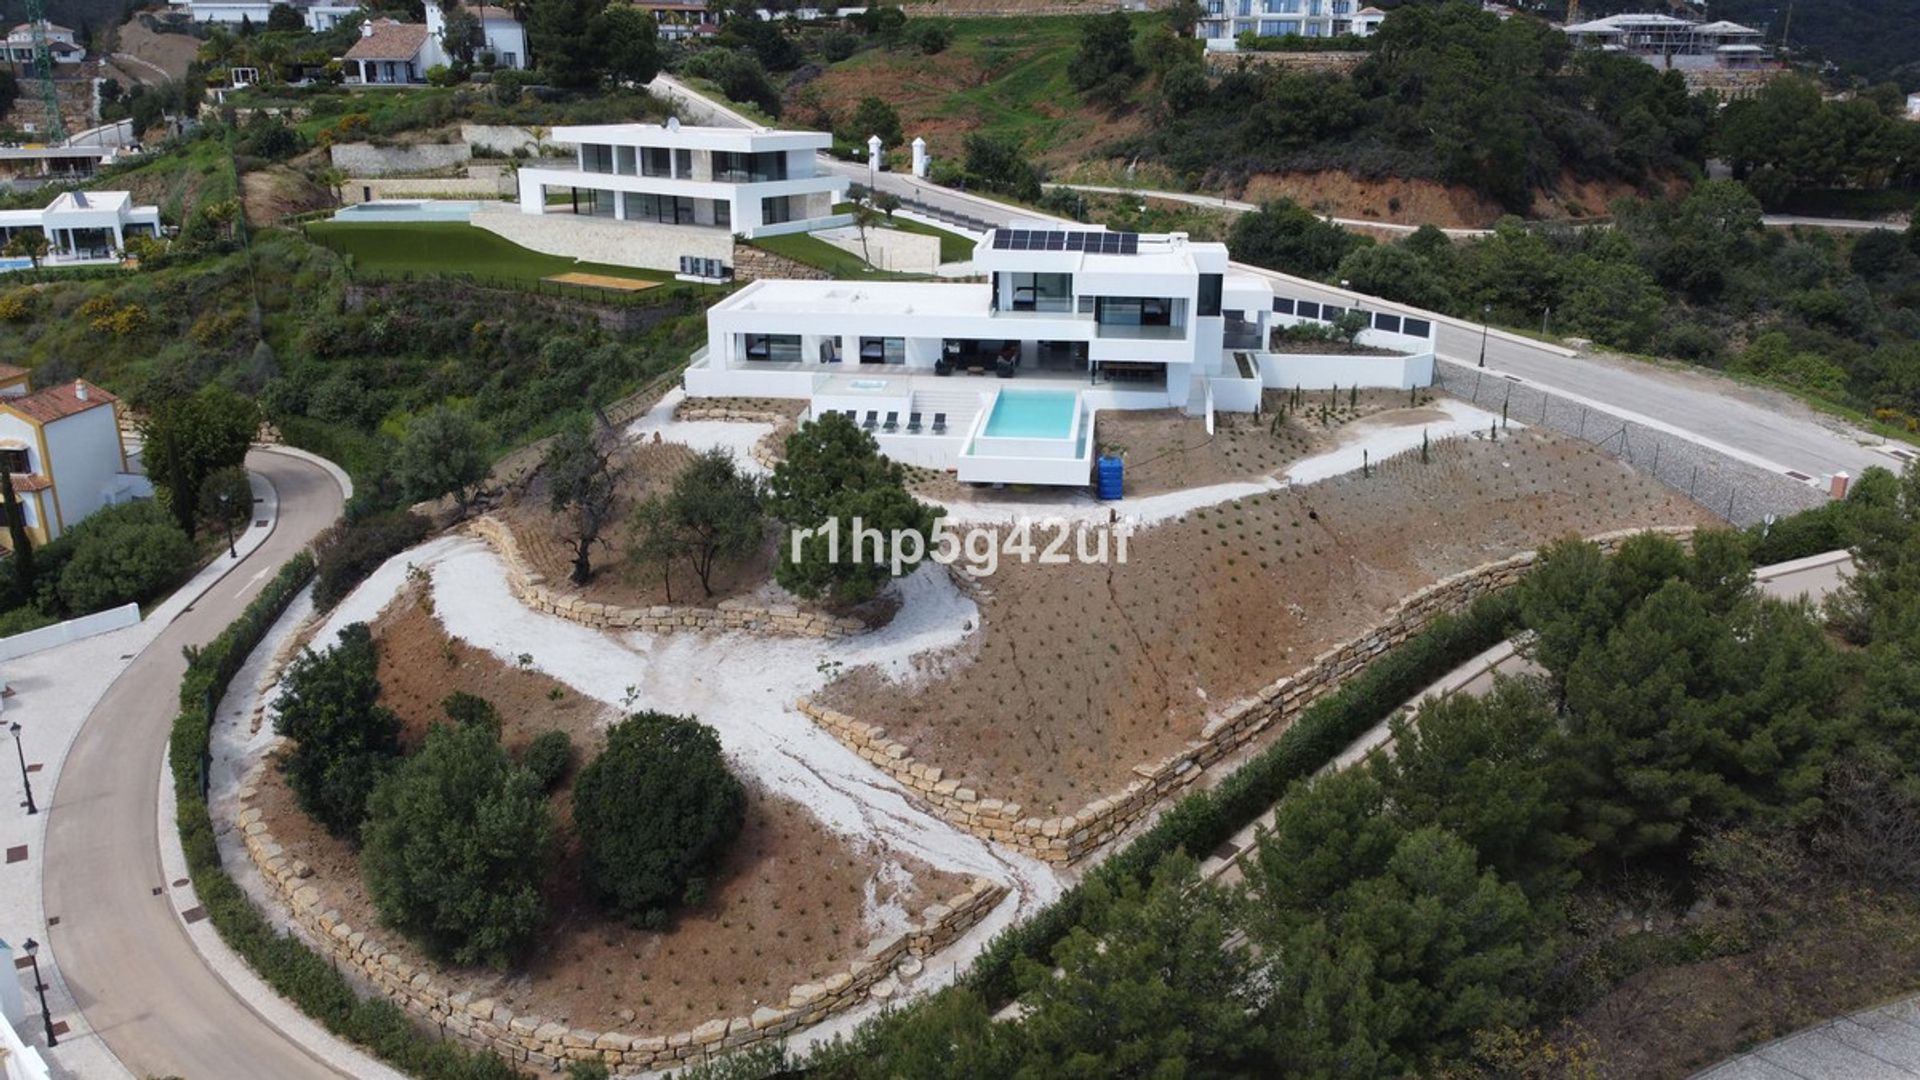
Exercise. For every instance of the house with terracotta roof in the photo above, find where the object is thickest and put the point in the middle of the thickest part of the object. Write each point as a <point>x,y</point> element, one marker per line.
<point>392,53</point>
<point>65,452</point>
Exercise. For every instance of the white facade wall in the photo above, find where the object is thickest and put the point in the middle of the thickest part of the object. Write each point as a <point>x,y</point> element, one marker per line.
<point>640,245</point>
<point>1223,21</point>
<point>87,462</point>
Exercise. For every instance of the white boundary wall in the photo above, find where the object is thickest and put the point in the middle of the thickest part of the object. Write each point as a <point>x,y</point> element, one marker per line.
<point>86,626</point>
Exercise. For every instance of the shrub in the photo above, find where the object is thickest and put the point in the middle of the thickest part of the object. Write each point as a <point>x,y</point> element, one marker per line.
<point>548,757</point>
<point>131,552</point>
<point>472,710</point>
<point>343,739</point>
<point>455,848</point>
<point>655,810</point>
<point>350,551</point>
<point>16,305</point>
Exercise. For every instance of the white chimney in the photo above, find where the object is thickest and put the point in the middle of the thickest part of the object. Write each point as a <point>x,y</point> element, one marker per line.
<point>80,389</point>
<point>366,28</point>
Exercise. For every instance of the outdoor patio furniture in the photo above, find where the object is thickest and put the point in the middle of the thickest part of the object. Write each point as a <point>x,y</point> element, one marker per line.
<point>1007,362</point>
<point>873,352</point>
<point>913,423</point>
<point>872,421</point>
<point>758,348</point>
<point>942,368</point>
<point>939,423</point>
<point>893,422</point>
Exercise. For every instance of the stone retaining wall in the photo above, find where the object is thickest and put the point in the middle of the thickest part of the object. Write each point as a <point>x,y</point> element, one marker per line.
<point>366,159</point>
<point>530,587</point>
<point>1066,839</point>
<point>750,263</point>
<point>1332,62</point>
<point>427,994</point>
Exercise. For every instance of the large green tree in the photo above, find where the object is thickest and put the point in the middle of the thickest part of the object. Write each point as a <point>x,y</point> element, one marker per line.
<point>444,453</point>
<point>655,811</point>
<point>1283,235</point>
<point>343,738</point>
<point>832,484</point>
<point>186,439</point>
<point>1104,67</point>
<point>566,38</point>
<point>632,44</point>
<point>710,516</point>
<point>583,481</point>
<point>455,848</point>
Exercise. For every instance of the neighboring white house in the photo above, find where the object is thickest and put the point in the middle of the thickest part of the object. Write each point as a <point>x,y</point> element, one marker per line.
<point>1223,21</point>
<point>63,45</point>
<point>319,15</point>
<point>63,447</point>
<point>497,34</point>
<point>83,226</point>
<point>671,197</point>
<point>681,20</point>
<point>1071,321</point>
<point>1667,41</point>
<point>392,53</point>
<point>1913,106</point>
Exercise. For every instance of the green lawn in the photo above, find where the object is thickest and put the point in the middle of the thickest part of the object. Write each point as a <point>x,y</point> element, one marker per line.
<point>451,247</point>
<point>815,252</point>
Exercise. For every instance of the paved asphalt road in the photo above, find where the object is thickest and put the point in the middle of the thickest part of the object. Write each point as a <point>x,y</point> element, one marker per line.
<point>122,949</point>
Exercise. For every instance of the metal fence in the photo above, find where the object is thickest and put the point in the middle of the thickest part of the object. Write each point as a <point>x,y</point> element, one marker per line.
<point>1741,492</point>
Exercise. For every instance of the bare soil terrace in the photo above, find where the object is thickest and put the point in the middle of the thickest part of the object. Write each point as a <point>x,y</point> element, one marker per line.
<point>1080,672</point>
<point>792,903</point>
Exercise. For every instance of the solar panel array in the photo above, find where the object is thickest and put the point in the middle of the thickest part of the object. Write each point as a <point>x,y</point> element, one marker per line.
<point>1093,243</point>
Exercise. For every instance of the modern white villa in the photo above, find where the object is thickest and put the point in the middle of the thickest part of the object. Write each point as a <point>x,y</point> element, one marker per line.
<point>1222,22</point>
<point>1003,380</point>
<point>319,15</point>
<point>81,227</point>
<point>1667,41</point>
<point>671,197</point>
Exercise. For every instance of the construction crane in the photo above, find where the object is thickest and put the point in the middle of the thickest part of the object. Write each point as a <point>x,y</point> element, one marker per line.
<point>43,69</point>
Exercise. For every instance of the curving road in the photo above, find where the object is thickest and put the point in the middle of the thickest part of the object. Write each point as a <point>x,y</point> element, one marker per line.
<point>123,950</point>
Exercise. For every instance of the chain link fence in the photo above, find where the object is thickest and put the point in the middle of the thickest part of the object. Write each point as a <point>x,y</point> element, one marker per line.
<point>1739,491</point>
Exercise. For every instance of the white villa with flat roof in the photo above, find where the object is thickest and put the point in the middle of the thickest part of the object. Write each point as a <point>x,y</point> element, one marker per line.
<point>1070,321</point>
<point>83,226</point>
<point>672,197</point>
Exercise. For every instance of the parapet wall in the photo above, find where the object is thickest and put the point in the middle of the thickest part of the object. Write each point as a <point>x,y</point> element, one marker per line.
<point>1067,839</point>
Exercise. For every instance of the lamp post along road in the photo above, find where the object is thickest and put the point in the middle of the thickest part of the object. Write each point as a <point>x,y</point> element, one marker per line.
<point>26,780</point>
<point>32,949</point>
<point>1486,316</point>
<point>226,516</point>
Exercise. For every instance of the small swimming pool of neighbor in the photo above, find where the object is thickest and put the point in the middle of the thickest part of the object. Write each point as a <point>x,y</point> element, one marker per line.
<point>409,210</point>
<point>1032,414</point>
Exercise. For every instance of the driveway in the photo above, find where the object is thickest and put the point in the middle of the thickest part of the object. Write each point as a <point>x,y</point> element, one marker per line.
<point>122,949</point>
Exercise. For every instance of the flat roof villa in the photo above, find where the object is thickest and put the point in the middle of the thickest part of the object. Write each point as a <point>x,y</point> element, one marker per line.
<point>1070,321</point>
<point>1667,41</point>
<point>672,196</point>
<point>81,227</point>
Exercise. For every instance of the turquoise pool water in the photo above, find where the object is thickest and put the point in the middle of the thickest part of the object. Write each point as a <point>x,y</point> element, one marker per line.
<point>409,210</point>
<point>16,264</point>
<point>1032,414</point>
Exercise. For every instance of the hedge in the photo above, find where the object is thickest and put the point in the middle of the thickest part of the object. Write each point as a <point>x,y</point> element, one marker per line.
<point>1201,821</point>
<point>294,971</point>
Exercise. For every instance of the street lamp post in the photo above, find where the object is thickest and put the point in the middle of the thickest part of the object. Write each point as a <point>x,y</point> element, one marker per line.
<point>32,949</point>
<point>227,517</point>
<point>1545,318</point>
<point>1486,316</point>
<point>26,780</point>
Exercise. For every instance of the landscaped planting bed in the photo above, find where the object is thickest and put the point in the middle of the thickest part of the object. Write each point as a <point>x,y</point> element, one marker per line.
<point>793,903</point>
<point>1082,672</point>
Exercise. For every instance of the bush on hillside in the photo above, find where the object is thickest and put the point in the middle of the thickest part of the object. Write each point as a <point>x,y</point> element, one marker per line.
<point>548,757</point>
<point>351,550</point>
<point>455,848</point>
<point>132,552</point>
<point>655,811</point>
<point>343,738</point>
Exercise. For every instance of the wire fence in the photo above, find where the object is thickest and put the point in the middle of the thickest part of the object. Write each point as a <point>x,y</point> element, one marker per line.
<point>1739,491</point>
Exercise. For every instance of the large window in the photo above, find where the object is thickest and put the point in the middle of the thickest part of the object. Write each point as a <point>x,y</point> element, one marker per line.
<point>656,161</point>
<point>596,158</point>
<point>730,167</point>
<point>667,209</point>
<point>1040,292</point>
<point>1134,311</point>
<point>777,209</point>
<point>883,350</point>
<point>776,348</point>
<point>600,204</point>
<point>14,460</point>
<point>723,213</point>
<point>1210,286</point>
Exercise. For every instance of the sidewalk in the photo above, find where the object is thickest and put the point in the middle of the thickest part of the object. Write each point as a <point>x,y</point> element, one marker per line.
<point>53,692</point>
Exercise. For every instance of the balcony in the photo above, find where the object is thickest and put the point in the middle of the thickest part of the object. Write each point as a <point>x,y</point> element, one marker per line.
<point>1140,332</point>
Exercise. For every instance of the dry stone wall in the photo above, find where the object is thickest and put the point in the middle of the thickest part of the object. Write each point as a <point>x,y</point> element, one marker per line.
<point>430,995</point>
<point>751,263</point>
<point>530,587</point>
<point>1067,839</point>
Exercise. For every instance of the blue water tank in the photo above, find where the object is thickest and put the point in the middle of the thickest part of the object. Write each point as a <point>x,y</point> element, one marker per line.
<point>1109,474</point>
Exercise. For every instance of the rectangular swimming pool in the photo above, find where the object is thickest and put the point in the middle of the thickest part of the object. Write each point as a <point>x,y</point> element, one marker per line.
<point>1032,414</point>
<point>409,210</point>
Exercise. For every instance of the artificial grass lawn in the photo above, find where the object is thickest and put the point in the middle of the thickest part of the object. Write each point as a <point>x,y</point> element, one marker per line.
<point>451,247</point>
<point>817,253</point>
